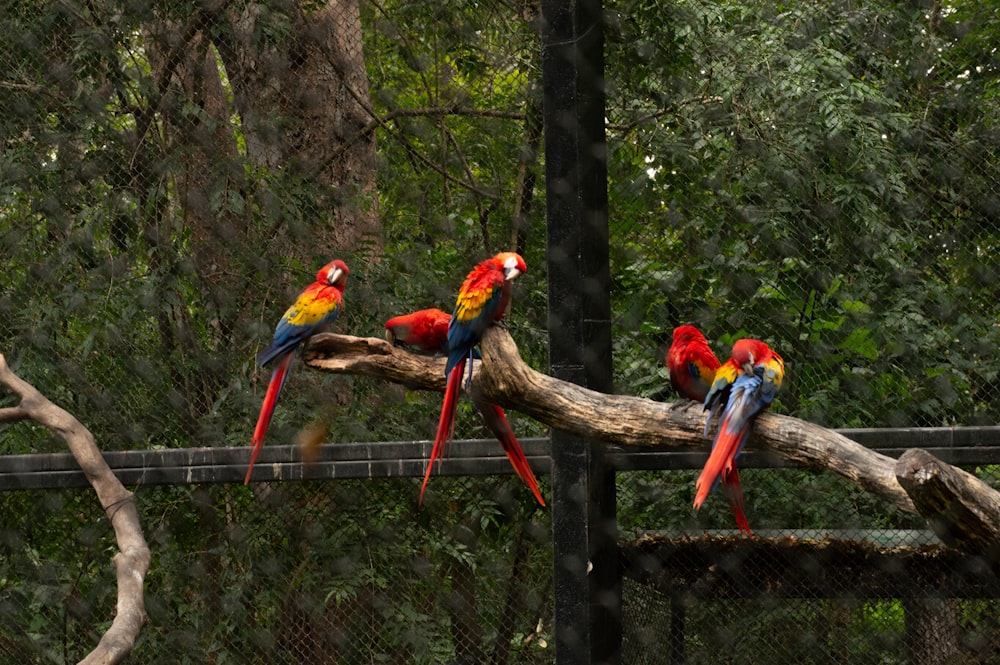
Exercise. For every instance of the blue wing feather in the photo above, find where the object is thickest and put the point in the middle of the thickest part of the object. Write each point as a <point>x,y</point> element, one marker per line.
<point>464,335</point>
<point>289,335</point>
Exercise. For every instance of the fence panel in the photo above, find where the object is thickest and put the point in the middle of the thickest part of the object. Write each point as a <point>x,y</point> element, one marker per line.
<point>822,176</point>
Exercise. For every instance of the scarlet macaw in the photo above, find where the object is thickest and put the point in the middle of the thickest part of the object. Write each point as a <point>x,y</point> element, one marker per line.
<point>691,363</point>
<point>692,366</point>
<point>427,330</point>
<point>481,301</point>
<point>744,386</point>
<point>315,308</point>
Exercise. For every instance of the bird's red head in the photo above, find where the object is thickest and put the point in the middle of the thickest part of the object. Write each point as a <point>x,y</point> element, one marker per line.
<point>510,263</point>
<point>334,274</point>
<point>749,352</point>
<point>686,334</point>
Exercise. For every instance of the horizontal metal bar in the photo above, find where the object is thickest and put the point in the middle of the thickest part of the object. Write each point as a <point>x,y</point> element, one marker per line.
<point>925,437</point>
<point>471,457</point>
<point>965,446</point>
<point>653,460</point>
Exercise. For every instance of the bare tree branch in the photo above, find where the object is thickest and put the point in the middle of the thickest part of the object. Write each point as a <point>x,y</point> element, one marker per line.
<point>961,509</point>
<point>13,414</point>
<point>503,378</point>
<point>133,557</point>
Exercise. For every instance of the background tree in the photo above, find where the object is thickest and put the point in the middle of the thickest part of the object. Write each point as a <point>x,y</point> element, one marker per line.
<point>817,173</point>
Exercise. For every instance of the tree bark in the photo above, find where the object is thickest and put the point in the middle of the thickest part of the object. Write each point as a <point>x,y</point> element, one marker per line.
<point>305,105</point>
<point>962,510</point>
<point>133,557</point>
<point>503,378</point>
<point>933,631</point>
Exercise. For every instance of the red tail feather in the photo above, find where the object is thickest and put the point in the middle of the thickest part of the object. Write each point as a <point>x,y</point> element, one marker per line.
<point>733,492</point>
<point>721,461</point>
<point>496,420</point>
<point>446,424</point>
<point>267,408</point>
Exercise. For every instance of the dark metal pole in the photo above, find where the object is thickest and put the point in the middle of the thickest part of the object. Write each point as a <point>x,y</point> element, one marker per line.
<point>586,573</point>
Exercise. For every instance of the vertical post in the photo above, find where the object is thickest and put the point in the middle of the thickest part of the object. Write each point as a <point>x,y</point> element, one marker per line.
<point>586,573</point>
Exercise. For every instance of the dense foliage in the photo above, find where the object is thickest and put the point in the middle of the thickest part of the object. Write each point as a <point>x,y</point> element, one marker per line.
<point>821,175</point>
<point>817,173</point>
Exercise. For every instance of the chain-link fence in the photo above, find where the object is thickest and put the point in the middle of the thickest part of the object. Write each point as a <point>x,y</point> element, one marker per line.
<point>818,174</point>
<point>333,572</point>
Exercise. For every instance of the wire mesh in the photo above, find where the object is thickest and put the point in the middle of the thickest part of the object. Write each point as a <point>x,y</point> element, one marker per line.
<point>331,572</point>
<point>818,174</point>
<point>815,175</point>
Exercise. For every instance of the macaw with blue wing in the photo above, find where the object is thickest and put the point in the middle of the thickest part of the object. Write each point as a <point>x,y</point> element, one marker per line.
<point>693,365</point>
<point>482,301</point>
<point>744,386</point>
<point>316,308</point>
<point>427,331</point>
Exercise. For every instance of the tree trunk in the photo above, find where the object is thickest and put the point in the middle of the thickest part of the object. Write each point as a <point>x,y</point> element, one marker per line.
<point>304,101</point>
<point>304,105</point>
<point>932,631</point>
<point>209,184</point>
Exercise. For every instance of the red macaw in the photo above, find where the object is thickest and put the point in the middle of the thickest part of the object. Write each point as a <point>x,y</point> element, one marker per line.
<point>427,330</point>
<point>496,420</point>
<point>692,366</point>
<point>482,300</point>
<point>315,308</point>
<point>691,363</point>
<point>744,386</point>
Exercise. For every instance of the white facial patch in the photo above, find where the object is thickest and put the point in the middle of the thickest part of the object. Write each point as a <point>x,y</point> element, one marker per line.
<point>510,270</point>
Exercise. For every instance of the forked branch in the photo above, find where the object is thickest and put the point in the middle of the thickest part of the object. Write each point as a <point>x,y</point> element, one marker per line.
<point>133,557</point>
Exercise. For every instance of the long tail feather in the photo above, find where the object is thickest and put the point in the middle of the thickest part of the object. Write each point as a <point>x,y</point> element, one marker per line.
<point>496,420</point>
<point>278,378</point>
<point>446,424</point>
<point>733,492</point>
<point>727,444</point>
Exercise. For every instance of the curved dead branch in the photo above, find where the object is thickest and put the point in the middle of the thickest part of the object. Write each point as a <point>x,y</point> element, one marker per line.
<point>503,378</point>
<point>133,557</point>
<point>962,510</point>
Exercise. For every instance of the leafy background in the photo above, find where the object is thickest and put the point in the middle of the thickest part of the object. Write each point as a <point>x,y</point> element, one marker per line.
<point>819,174</point>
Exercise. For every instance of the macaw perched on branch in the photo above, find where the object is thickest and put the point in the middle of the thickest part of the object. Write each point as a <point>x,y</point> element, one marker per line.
<point>482,301</point>
<point>427,330</point>
<point>691,363</point>
<point>496,420</point>
<point>692,366</point>
<point>744,386</point>
<point>315,308</point>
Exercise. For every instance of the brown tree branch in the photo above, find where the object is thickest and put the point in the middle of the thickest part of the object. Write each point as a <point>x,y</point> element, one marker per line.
<point>13,414</point>
<point>961,509</point>
<point>503,378</point>
<point>133,557</point>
